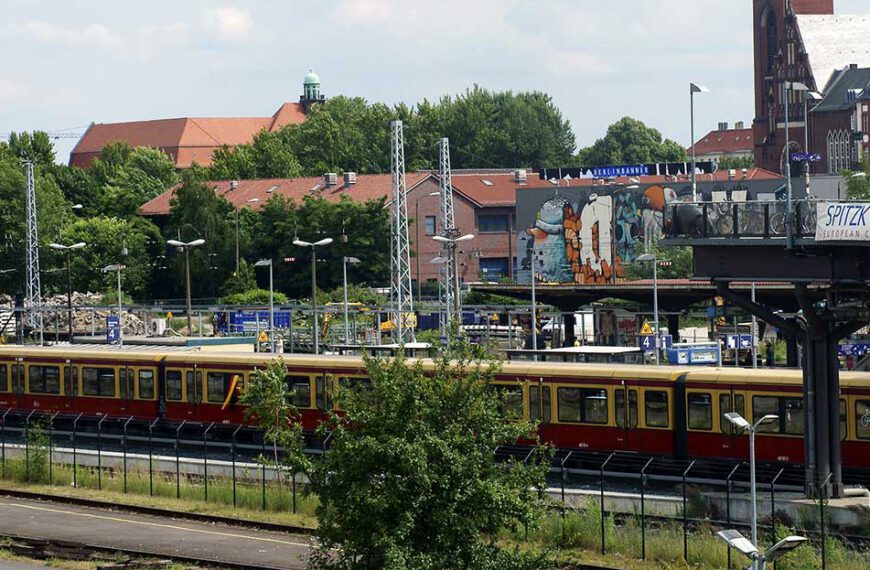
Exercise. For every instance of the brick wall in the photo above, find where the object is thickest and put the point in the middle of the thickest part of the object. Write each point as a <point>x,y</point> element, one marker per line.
<point>820,7</point>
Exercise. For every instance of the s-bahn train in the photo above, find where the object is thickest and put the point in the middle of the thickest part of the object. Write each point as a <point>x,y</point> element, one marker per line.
<point>654,410</point>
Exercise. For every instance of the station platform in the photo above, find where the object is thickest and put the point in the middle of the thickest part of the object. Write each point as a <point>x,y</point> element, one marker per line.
<point>154,536</point>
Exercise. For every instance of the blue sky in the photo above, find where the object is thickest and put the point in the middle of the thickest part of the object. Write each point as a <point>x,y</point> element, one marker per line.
<point>70,63</point>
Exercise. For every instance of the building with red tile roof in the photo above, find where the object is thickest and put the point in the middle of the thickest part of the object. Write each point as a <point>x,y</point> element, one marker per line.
<point>724,143</point>
<point>193,139</point>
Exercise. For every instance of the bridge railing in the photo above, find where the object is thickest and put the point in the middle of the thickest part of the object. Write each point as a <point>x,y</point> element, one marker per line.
<point>734,220</point>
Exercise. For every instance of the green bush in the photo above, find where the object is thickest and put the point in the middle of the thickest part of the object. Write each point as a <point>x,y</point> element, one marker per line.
<point>253,297</point>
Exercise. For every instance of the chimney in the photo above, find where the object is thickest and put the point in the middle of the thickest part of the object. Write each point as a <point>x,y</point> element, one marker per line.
<point>732,174</point>
<point>330,179</point>
<point>349,178</point>
<point>723,126</point>
<point>813,7</point>
<point>234,184</point>
<point>520,176</point>
<point>739,125</point>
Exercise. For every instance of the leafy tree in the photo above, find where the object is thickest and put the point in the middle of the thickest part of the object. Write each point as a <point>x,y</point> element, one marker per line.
<point>630,141</point>
<point>254,297</point>
<point>126,178</point>
<point>858,182</point>
<point>197,212</point>
<point>108,239</point>
<point>673,263</point>
<point>737,163</point>
<point>241,280</point>
<point>269,405</point>
<point>35,146</point>
<point>410,481</point>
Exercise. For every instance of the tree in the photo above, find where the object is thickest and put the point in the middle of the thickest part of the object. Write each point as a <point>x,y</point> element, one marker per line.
<point>858,182</point>
<point>673,263</point>
<point>35,146</point>
<point>240,281</point>
<point>737,163</point>
<point>126,178</point>
<point>268,398</point>
<point>410,481</point>
<point>629,141</point>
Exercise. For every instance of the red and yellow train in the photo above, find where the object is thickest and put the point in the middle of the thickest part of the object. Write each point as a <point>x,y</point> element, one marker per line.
<point>664,411</point>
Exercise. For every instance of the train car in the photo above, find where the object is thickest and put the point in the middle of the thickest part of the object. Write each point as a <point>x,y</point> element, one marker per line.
<point>665,411</point>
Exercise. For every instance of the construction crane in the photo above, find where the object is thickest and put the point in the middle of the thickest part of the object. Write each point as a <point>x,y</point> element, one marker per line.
<point>71,133</point>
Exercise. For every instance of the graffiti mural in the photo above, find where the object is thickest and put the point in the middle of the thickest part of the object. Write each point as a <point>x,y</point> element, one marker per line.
<point>585,234</point>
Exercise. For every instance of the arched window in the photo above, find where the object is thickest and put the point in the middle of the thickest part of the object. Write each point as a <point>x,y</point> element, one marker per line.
<point>771,43</point>
<point>839,151</point>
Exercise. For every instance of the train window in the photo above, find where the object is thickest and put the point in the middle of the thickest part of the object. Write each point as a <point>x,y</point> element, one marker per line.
<point>299,388</point>
<point>127,383</point>
<point>700,408</point>
<point>194,387</point>
<point>793,411</point>
<point>217,386</point>
<point>322,393</point>
<point>725,407</point>
<point>862,419</point>
<point>43,379</point>
<point>762,406</point>
<point>510,403</point>
<point>539,408</point>
<point>18,378</point>
<point>584,405</point>
<point>173,385</point>
<point>4,378</point>
<point>146,384</point>
<point>619,405</point>
<point>71,381</point>
<point>98,382</point>
<point>844,423</point>
<point>656,408</point>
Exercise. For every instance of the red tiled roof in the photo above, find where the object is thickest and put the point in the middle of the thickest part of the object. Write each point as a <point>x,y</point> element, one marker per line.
<point>724,142</point>
<point>185,139</point>
<point>255,193</point>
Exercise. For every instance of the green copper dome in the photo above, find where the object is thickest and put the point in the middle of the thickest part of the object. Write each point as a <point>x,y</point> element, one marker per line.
<point>311,79</point>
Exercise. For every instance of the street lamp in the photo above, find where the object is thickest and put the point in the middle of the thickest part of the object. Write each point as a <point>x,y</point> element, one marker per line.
<point>77,207</point>
<point>299,243</point>
<point>108,269</point>
<point>651,257</point>
<point>692,90</point>
<point>268,263</point>
<point>249,201</point>
<point>451,245</point>
<point>68,249</point>
<point>815,96</point>
<point>353,260</point>
<point>186,247</point>
<point>759,559</point>
<point>741,424</point>
<point>789,217</point>
<point>417,244</point>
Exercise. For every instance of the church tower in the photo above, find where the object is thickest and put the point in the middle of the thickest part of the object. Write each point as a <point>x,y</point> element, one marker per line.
<point>311,92</point>
<point>780,56</point>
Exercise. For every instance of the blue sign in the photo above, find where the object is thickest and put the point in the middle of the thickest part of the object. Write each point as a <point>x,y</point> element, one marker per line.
<point>805,157</point>
<point>647,342</point>
<point>251,321</point>
<point>113,330</point>
<point>738,341</point>
<point>854,349</point>
<point>694,355</point>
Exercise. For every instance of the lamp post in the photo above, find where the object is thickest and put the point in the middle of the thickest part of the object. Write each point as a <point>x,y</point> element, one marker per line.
<point>789,217</point>
<point>759,559</point>
<point>299,243</point>
<point>693,88</point>
<point>651,257</point>
<point>118,267</point>
<point>268,263</point>
<point>354,260</point>
<point>250,201</point>
<point>68,249</point>
<point>186,247</point>
<point>451,245</point>
<point>741,423</point>
<point>417,243</point>
<point>815,96</point>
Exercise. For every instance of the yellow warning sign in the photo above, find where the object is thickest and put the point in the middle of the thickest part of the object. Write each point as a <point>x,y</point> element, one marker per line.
<point>168,314</point>
<point>263,337</point>
<point>646,330</point>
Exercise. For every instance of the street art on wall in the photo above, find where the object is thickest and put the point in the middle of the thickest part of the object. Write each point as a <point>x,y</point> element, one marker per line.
<point>587,234</point>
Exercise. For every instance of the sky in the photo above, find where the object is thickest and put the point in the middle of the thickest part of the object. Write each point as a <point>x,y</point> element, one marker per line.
<point>72,62</point>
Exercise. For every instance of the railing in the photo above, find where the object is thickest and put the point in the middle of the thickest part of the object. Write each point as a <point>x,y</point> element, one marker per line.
<point>760,219</point>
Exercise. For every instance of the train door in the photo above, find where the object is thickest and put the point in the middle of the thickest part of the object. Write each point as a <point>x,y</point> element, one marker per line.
<point>194,389</point>
<point>70,385</point>
<point>734,445</point>
<point>540,409</point>
<point>17,379</point>
<point>126,385</point>
<point>628,437</point>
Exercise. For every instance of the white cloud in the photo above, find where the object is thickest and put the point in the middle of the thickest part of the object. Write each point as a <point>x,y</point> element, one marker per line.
<point>576,62</point>
<point>12,92</point>
<point>362,12</point>
<point>229,25</point>
<point>92,35</point>
<point>154,39</point>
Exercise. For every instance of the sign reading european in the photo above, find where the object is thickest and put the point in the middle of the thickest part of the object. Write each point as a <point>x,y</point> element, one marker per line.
<point>842,221</point>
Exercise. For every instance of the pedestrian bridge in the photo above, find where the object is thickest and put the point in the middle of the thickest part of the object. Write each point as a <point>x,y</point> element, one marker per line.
<point>758,220</point>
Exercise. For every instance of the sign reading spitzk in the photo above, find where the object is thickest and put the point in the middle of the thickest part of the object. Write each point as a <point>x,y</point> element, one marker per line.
<point>842,221</point>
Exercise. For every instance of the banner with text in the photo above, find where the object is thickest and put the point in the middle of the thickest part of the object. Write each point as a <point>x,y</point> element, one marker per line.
<point>843,221</point>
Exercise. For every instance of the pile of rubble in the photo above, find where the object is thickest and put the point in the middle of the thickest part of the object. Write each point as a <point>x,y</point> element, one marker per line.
<point>84,320</point>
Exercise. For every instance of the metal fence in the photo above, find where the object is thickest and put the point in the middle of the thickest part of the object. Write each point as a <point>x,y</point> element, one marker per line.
<point>757,219</point>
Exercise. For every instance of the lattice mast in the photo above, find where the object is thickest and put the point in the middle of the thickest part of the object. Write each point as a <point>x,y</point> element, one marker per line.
<point>448,229</point>
<point>400,260</point>
<point>34,289</point>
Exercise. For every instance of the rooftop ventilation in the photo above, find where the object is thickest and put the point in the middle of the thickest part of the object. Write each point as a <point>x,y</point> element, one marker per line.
<point>739,125</point>
<point>330,179</point>
<point>234,184</point>
<point>349,178</point>
<point>520,175</point>
<point>272,189</point>
<point>723,126</point>
<point>486,182</point>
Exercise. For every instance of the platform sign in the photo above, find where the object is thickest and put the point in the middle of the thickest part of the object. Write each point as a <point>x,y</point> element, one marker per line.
<point>854,349</point>
<point>738,341</point>
<point>647,342</point>
<point>646,330</point>
<point>113,329</point>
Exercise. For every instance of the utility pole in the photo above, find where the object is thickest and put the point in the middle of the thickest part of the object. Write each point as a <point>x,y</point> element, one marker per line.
<point>401,292</point>
<point>33,299</point>
<point>448,271</point>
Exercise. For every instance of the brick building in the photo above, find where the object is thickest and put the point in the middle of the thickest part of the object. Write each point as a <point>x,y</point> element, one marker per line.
<point>805,41</point>
<point>193,139</point>
<point>724,143</point>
